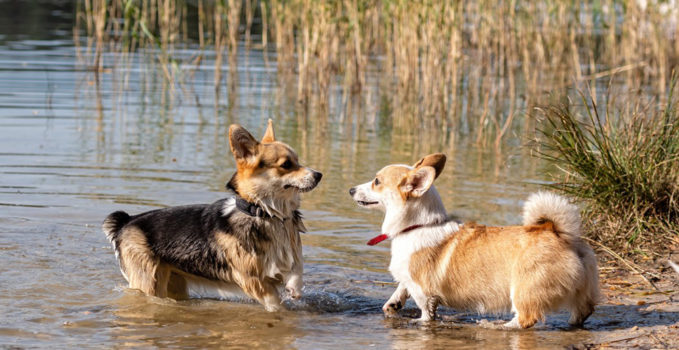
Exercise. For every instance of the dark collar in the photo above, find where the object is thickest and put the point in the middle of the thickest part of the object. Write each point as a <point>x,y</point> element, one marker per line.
<point>250,208</point>
<point>246,207</point>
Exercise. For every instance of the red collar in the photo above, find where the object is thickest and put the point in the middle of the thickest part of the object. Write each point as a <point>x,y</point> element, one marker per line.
<point>384,236</point>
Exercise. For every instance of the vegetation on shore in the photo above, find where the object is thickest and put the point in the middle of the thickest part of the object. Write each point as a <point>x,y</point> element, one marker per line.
<point>624,165</point>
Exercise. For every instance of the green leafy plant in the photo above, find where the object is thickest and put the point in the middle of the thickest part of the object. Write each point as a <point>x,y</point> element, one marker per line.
<point>623,165</point>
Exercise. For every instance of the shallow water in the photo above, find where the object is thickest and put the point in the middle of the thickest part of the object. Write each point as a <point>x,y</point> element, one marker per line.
<point>72,150</point>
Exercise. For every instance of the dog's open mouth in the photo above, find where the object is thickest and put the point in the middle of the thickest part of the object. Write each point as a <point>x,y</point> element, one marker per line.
<point>365,204</point>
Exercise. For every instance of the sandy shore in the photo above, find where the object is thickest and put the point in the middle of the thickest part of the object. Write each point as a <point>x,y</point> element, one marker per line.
<point>643,313</point>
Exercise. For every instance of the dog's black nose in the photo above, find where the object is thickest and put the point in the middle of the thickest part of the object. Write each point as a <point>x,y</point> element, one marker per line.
<point>352,191</point>
<point>317,176</point>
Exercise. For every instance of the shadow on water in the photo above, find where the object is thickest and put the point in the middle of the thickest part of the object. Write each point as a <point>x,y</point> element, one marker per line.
<point>614,317</point>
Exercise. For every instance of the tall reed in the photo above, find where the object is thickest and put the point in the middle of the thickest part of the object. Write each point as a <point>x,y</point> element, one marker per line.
<point>474,67</point>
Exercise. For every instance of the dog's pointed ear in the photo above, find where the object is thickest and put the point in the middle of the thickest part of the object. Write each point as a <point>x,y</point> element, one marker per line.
<point>243,145</point>
<point>418,181</point>
<point>435,160</point>
<point>269,136</point>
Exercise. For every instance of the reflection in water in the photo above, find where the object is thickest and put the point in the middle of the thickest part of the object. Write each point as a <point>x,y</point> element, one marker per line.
<point>436,66</point>
<point>471,335</point>
<point>141,321</point>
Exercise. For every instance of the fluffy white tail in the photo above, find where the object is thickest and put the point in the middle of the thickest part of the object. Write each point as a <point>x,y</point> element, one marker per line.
<point>544,207</point>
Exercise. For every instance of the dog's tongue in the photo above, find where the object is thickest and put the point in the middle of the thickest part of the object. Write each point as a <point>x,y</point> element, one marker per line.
<point>378,239</point>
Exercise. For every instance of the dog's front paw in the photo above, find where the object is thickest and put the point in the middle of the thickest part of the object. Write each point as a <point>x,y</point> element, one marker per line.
<point>391,308</point>
<point>272,303</point>
<point>272,307</point>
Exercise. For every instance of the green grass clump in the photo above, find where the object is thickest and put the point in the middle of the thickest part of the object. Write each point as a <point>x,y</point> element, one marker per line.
<point>624,166</point>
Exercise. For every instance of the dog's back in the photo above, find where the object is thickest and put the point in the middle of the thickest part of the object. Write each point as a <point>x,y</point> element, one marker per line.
<point>198,241</point>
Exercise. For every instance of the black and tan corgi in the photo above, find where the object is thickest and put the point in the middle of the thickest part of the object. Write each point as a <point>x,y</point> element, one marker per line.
<point>245,245</point>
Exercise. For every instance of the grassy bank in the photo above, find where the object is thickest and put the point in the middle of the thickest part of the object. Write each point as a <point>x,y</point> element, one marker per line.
<point>624,165</point>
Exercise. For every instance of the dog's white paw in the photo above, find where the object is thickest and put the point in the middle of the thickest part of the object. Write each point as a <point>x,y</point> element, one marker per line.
<point>513,324</point>
<point>425,319</point>
<point>272,307</point>
<point>391,309</point>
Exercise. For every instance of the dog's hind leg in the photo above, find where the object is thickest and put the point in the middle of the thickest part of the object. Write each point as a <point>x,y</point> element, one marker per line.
<point>585,297</point>
<point>138,262</point>
<point>525,318</point>
<point>514,322</point>
<point>580,313</point>
<point>582,302</point>
<point>177,287</point>
<point>163,274</point>
<point>528,309</point>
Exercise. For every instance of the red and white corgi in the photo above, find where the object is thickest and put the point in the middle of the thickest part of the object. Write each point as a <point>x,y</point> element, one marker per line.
<point>246,245</point>
<point>530,270</point>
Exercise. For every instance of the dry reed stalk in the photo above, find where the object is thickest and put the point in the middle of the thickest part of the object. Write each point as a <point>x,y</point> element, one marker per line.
<point>233,23</point>
<point>265,26</point>
<point>219,37</point>
<point>249,17</point>
<point>201,24</point>
<point>467,67</point>
<point>283,28</point>
<point>99,23</point>
<point>627,263</point>
<point>304,47</point>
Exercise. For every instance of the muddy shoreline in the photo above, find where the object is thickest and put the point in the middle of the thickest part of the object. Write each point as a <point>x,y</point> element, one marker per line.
<point>644,312</point>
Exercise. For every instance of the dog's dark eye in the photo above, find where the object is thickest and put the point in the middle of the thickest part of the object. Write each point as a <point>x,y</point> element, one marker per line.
<point>377,182</point>
<point>287,164</point>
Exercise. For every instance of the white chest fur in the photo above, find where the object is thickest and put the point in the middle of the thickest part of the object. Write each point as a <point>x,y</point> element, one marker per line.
<point>284,256</point>
<point>286,249</point>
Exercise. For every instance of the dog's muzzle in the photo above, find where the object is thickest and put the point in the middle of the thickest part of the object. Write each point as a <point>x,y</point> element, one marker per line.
<point>313,182</point>
<point>363,203</point>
